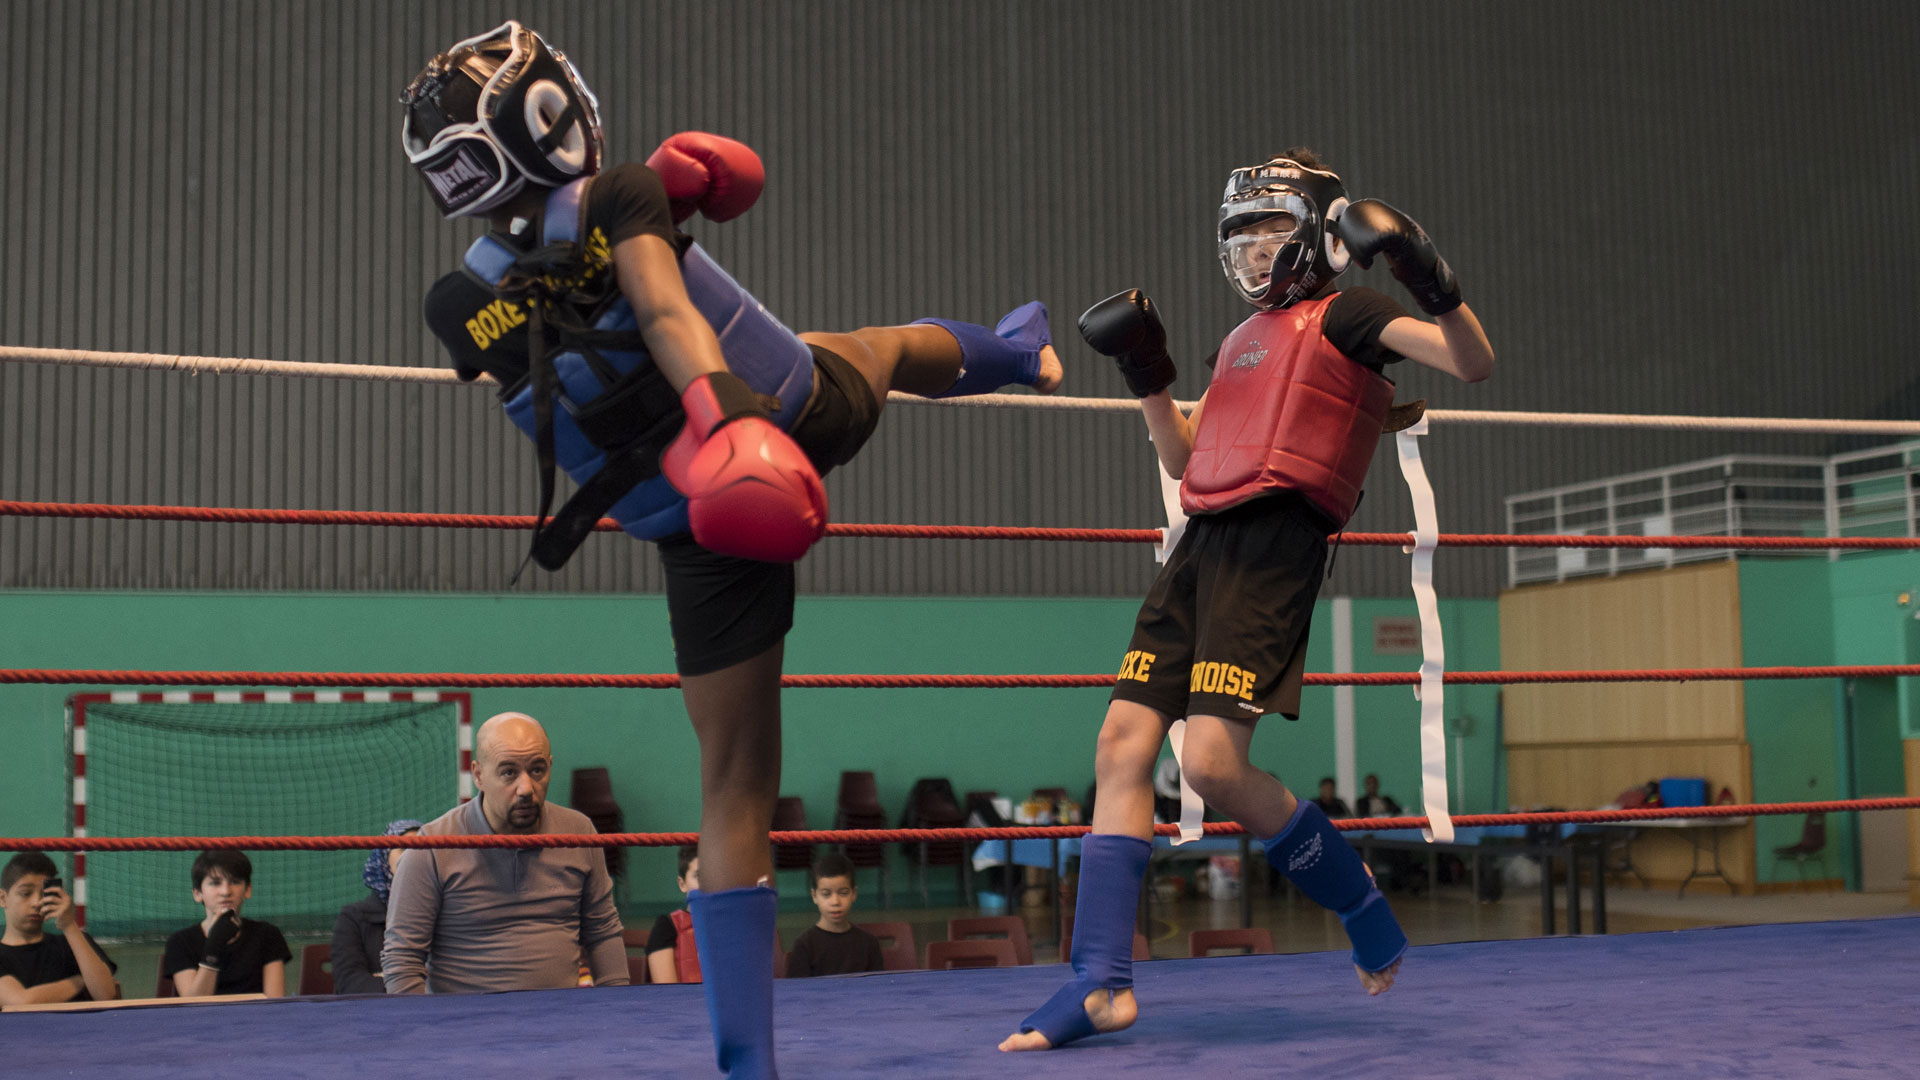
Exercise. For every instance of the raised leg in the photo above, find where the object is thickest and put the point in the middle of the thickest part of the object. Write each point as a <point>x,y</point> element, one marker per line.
<point>1302,843</point>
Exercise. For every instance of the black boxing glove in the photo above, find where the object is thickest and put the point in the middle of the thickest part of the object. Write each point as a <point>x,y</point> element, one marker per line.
<point>221,939</point>
<point>1126,327</point>
<point>1371,227</point>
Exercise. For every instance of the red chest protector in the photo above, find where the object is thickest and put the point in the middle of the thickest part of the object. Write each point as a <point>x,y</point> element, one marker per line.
<point>1286,411</point>
<point>686,958</point>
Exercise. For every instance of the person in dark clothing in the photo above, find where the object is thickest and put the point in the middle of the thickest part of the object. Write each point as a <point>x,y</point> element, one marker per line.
<point>38,968</point>
<point>1374,804</point>
<point>223,954</point>
<point>360,930</point>
<point>834,946</point>
<point>1329,800</point>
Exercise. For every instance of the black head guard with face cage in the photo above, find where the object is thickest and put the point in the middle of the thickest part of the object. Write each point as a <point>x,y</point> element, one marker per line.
<point>495,113</point>
<point>1277,269</point>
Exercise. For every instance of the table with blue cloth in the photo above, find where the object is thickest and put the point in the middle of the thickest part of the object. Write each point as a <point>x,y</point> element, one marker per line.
<point>1051,856</point>
<point>1474,844</point>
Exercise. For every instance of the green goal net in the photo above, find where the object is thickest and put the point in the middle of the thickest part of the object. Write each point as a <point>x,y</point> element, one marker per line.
<point>251,764</point>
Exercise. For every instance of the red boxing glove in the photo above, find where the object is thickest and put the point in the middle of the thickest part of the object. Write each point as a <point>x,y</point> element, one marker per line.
<point>751,492</point>
<point>711,173</point>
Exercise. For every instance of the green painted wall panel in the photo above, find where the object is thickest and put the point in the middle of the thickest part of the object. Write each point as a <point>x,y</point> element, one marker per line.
<point>1009,740</point>
<point>1786,617</point>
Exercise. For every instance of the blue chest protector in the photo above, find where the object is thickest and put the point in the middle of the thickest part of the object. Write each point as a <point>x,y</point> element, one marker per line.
<point>613,403</point>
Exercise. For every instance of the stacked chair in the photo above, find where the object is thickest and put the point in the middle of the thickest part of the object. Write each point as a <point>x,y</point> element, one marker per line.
<point>931,805</point>
<point>859,808</point>
<point>593,796</point>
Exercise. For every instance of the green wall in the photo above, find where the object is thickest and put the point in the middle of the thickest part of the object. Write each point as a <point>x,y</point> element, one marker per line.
<point>1008,740</point>
<point>1793,725</point>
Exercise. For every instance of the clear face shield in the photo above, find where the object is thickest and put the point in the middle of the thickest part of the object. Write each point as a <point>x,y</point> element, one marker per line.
<point>1267,237</point>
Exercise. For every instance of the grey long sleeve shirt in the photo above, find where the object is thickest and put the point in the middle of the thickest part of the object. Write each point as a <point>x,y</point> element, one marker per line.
<point>475,920</point>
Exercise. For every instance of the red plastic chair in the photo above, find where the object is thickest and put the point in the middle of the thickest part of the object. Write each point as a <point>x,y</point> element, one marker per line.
<point>316,970</point>
<point>949,955</point>
<point>1010,928</point>
<point>637,969</point>
<point>1257,941</point>
<point>164,987</point>
<point>897,949</point>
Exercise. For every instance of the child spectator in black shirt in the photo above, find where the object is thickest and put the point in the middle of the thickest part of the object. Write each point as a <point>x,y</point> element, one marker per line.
<point>223,954</point>
<point>671,954</point>
<point>38,968</point>
<point>834,946</point>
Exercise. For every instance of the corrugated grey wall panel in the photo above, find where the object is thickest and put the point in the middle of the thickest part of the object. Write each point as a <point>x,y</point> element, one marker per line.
<point>1654,207</point>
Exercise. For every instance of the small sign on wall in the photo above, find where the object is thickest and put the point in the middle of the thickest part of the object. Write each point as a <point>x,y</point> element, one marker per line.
<point>1396,635</point>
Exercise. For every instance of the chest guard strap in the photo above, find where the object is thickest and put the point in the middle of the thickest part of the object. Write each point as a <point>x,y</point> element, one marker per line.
<point>616,411</point>
<point>1286,411</point>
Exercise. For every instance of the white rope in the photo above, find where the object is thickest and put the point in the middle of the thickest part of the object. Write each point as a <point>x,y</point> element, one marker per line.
<point>227,365</point>
<point>221,365</point>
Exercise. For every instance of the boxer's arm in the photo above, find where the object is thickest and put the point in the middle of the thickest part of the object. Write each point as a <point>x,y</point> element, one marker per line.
<point>1457,345</point>
<point>1171,429</point>
<point>682,344</point>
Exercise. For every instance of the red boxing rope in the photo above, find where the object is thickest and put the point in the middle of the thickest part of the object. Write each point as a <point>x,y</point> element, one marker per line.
<point>495,681</point>
<point>389,519</point>
<point>898,836</point>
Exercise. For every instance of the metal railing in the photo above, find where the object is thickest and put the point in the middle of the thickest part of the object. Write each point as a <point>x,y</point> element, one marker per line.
<point>1862,493</point>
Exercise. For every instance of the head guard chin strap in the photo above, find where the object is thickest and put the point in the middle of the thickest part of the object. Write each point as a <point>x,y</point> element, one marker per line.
<point>495,113</point>
<point>1305,259</point>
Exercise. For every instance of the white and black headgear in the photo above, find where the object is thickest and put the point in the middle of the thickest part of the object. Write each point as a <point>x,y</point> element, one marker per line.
<point>495,113</point>
<point>1276,271</point>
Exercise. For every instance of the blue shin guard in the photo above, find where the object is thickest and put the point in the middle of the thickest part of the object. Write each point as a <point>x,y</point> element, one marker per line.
<point>1007,354</point>
<point>1321,864</point>
<point>733,929</point>
<point>1111,869</point>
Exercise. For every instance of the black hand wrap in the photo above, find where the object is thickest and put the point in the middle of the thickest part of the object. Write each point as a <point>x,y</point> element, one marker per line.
<point>220,941</point>
<point>1126,327</point>
<point>1371,227</point>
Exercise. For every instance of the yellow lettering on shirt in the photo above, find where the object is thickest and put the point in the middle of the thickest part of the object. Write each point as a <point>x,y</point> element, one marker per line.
<point>493,322</point>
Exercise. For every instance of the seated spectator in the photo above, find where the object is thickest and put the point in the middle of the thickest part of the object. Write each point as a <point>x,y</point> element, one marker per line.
<point>1329,802</point>
<point>1374,804</point>
<point>222,953</point>
<point>38,968</point>
<point>475,920</point>
<point>671,957</point>
<point>834,946</point>
<point>360,930</point>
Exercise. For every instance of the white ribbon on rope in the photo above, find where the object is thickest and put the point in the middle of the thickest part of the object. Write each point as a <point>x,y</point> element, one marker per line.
<point>1193,809</point>
<point>1433,654</point>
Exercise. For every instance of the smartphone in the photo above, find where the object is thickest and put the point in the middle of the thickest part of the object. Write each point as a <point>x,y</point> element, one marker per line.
<point>51,883</point>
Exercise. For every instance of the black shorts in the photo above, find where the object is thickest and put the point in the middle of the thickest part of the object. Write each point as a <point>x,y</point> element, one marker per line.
<point>1223,631</point>
<point>725,609</point>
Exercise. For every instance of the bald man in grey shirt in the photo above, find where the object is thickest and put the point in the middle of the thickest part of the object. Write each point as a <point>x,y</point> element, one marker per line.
<point>473,920</point>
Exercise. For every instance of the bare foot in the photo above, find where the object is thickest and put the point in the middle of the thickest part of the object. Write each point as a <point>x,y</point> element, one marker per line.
<point>1110,1010</point>
<point>1050,371</point>
<point>1378,982</point>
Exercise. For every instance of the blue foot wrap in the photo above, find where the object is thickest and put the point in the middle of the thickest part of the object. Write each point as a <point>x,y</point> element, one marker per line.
<point>1111,869</point>
<point>1321,864</point>
<point>1007,354</point>
<point>733,929</point>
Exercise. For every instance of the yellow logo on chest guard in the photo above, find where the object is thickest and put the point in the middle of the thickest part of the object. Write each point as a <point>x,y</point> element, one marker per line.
<point>492,322</point>
<point>1136,665</point>
<point>1212,677</point>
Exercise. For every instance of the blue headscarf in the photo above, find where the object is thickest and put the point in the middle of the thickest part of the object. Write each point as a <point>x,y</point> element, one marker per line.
<point>375,873</point>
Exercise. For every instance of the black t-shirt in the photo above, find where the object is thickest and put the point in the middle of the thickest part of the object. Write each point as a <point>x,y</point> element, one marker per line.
<point>662,936</point>
<point>48,960</point>
<point>260,944</point>
<point>1353,323</point>
<point>822,952</point>
<point>485,334</point>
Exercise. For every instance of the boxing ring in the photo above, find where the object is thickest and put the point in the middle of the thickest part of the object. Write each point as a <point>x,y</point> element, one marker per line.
<point>1802,1000</point>
<point>1811,999</point>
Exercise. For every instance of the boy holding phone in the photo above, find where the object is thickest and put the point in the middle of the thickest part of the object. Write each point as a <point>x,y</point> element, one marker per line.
<point>38,968</point>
